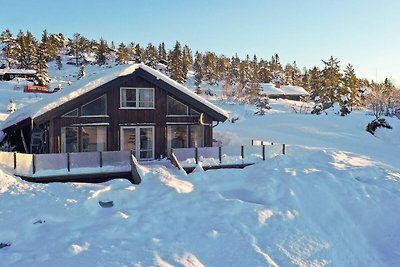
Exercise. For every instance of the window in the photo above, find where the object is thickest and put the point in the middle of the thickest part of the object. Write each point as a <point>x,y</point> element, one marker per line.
<point>96,107</point>
<point>140,140</point>
<point>174,107</point>
<point>69,139</point>
<point>94,138</point>
<point>196,136</point>
<point>73,113</point>
<point>136,97</point>
<point>194,112</point>
<point>177,137</point>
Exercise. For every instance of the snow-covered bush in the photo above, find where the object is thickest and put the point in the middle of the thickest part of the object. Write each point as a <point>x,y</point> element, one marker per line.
<point>377,123</point>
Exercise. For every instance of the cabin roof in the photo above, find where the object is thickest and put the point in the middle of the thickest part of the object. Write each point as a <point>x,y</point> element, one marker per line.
<point>17,71</point>
<point>88,84</point>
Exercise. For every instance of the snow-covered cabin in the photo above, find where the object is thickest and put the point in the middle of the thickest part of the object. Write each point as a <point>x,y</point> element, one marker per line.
<point>284,91</point>
<point>8,74</point>
<point>130,107</point>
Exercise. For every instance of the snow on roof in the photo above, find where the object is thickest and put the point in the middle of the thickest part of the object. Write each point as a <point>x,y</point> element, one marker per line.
<point>270,89</point>
<point>182,88</point>
<point>87,84</point>
<point>16,71</point>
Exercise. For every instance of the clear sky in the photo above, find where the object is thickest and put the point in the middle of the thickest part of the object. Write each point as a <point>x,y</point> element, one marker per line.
<point>365,33</point>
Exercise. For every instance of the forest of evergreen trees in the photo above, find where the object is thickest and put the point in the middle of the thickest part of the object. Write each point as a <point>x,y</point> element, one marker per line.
<point>327,86</point>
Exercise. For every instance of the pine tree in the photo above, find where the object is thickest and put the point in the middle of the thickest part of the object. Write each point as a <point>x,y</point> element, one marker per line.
<point>351,87</point>
<point>210,68</point>
<point>305,80</point>
<point>9,48</point>
<point>262,104</point>
<point>162,53</point>
<point>122,54</point>
<point>151,55</point>
<point>77,46</point>
<point>45,45</point>
<point>41,66</point>
<point>102,52</point>
<point>140,54</point>
<point>175,63</point>
<point>315,82</point>
<point>331,82</point>
<point>187,61</point>
<point>254,70</point>
<point>198,69</point>
<point>264,71</point>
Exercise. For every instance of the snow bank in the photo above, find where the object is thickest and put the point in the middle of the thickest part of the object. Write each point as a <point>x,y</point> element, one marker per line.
<point>312,207</point>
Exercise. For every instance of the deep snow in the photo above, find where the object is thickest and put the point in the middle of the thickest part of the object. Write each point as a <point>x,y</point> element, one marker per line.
<point>334,199</point>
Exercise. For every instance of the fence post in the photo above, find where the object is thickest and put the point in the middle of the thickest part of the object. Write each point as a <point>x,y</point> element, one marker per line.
<point>15,160</point>
<point>220,154</point>
<point>284,149</point>
<point>101,159</point>
<point>263,152</point>
<point>242,152</point>
<point>196,154</point>
<point>68,162</point>
<point>33,164</point>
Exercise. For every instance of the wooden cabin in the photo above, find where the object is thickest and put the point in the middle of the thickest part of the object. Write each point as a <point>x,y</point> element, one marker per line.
<point>131,107</point>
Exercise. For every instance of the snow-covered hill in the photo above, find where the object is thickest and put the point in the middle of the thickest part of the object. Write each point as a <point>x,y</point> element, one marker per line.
<point>334,200</point>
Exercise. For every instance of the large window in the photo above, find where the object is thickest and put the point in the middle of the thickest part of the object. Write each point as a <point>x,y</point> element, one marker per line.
<point>94,138</point>
<point>181,136</point>
<point>96,107</point>
<point>140,140</point>
<point>69,139</point>
<point>136,97</point>
<point>174,107</point>
<point>196,136</point>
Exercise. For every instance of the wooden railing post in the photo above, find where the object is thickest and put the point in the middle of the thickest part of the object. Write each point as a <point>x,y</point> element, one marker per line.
<point>284,149</point>
<point>68,162</point>
<point>15,160</point>
<point>196,154</point>
<point>263,152</point>
<point>101,159</point>
<point>220,154</point>
<point>242,152</point>
<point>33,164</point>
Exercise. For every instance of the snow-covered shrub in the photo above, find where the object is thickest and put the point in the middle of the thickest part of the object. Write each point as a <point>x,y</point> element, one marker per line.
<point>377,123</point>
<point>262,104</point>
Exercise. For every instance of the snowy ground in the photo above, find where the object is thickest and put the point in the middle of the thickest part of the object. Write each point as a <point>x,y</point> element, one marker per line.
<point>334,200</point>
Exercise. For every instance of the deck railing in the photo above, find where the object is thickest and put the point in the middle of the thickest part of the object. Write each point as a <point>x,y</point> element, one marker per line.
<point>226,156</point>
<point>42,165</point>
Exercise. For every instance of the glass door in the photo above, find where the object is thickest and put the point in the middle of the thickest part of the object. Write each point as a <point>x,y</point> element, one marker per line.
<point>140,140</point>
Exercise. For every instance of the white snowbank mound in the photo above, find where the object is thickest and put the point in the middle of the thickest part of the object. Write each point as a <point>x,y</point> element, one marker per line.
<point>311,207</point>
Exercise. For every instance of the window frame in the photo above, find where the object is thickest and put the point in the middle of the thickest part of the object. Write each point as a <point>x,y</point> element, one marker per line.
<point>94,116</point>
<point>137,140</point>
<point>137,89</point>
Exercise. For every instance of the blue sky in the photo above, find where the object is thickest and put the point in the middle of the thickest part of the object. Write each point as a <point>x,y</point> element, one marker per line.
<point>364,33</point>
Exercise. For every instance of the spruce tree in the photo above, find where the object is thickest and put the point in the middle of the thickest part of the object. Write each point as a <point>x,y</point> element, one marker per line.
<point>198,69</point>
<point>210,68</point>
<point>331,82</point>
<point>122,54</point>
<point>140,54</point>
<point>151,55</point>
<point>162,53</point>
<point>351,87</point>
<point>187,61</point>
<point>175,63</point>
<point>41,66</point>
<point>102,52</point>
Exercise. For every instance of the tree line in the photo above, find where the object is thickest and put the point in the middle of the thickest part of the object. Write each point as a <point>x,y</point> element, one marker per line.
<point>239,77</point>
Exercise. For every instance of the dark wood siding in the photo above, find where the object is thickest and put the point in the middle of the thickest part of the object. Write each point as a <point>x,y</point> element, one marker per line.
<point>118,117</point>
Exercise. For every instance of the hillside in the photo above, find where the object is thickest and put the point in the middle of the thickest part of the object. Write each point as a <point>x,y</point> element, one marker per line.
<point>332,200</point>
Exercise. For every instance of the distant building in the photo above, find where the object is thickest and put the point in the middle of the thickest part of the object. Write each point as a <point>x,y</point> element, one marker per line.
<point>9,74</point>
<point>283,91</point>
